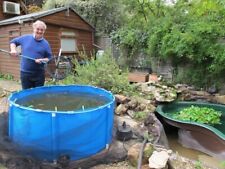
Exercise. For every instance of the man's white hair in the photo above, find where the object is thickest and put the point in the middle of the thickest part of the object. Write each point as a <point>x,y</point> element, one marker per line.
<point>38,22</point>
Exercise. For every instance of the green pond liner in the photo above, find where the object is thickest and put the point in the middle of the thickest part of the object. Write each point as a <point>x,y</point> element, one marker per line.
<point>211,137</point>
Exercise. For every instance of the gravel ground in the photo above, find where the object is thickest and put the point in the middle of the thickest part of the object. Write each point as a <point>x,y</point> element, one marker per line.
<point>119,165</point>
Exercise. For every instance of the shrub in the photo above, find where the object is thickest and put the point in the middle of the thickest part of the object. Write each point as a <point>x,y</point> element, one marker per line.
<point>102,72</point>
<point>140,116</point>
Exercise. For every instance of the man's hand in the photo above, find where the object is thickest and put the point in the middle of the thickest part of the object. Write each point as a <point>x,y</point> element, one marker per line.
<point>42,60</point>
<point>13,51</point>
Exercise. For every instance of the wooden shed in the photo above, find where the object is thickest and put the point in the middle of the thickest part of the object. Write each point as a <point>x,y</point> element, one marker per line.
<point>65,29</point>
<point>11,8</point>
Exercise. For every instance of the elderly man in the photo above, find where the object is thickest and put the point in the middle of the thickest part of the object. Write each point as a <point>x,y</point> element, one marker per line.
<point>37,48</point>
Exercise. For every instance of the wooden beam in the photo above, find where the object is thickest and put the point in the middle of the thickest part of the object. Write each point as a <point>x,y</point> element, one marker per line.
<point>23,7</point>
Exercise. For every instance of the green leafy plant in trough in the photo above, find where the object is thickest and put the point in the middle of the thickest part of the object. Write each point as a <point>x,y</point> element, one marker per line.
<point>204,115</point>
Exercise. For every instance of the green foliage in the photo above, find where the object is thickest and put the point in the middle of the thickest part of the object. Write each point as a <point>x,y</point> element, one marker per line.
<point>33,8</point>
<point>148,136</point>
<point>102,72</point>
<point>186,32</point>
<point>199,114</point>
<point>222,164</point>
<point>6,77</point>
<point>148,151</point>
<point>193,35</point>
<point>140,116</point>
<point>192,75</point>
<point>104,15</point>
<point>198,165</point>
<point>131,39</point>
<point>2,166</point>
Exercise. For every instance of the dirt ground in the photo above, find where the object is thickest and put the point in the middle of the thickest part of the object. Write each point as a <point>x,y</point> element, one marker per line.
<point>119,165</point>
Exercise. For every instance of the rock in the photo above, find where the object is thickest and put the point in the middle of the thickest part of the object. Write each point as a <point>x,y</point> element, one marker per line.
<point>131,113</point>
<point>183,88</point>
<point>129,121</point>
<point>155,128</point>
<point>121,109</point>
<point>158,91</point>
<point>121,99</point>
<point>140,107</point>
<point>148,89</point>
<point>212,89</point>
<point>132,104</point>
<point>143,100</point>
<point>4,105</point>
<point>158,160</point>
<point>2,92</point>
<point>134,151</point>
<point>117,151</point>
<point>168,94</point>
<point>220,99</point>
<point>132,154</point>
<point>193,95</point>
<point>199,93</point>
<point>150,108</point>
<point>145,166</point>
<point>177,162</point>
<point>140,131</point>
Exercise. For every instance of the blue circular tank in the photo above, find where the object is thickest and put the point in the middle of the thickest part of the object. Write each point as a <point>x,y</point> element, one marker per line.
<point>49,134</point>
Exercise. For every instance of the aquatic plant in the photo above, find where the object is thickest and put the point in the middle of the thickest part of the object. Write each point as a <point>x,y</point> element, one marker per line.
<point>204,115</point>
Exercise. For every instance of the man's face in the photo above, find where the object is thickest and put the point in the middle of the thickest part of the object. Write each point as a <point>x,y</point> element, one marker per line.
<point>39,31</point>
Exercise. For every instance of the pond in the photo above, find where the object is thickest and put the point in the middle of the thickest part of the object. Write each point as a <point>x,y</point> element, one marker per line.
<point>69,120</point>
<point>176,146</point>
<point>63,101</point>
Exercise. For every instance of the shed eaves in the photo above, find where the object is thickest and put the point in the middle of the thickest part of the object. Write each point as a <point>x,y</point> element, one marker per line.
<point>36,15</point>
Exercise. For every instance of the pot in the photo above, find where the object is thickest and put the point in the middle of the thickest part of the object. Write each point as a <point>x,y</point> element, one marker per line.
<point>124,132</point>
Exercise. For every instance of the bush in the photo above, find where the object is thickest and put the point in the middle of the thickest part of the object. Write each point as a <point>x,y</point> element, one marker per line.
<point>102,72</point>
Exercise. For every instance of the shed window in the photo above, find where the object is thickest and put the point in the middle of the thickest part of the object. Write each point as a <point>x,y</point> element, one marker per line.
<point>68,42</point>
<point>14,33</point>
<point>68,45</point>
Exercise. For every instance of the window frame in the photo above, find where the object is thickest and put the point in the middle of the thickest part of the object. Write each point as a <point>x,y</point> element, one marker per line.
<point>72,36</point>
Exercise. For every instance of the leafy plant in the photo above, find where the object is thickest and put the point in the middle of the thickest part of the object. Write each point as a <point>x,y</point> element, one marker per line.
<point>6,77</point>
<point>222,164</point>
<point>148,151</point>
<point>199,114</point>
<point>187,32</point>
<point>141,115</point>
<point>102,72</point>
<point>104,15</point>
<point>198,165</point>
<point>33,8</point>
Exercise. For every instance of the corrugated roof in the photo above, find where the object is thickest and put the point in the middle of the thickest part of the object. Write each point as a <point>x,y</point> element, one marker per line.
<point>37,15</point>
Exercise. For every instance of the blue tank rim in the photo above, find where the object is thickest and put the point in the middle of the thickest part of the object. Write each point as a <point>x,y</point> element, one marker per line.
<point>109,104</point>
